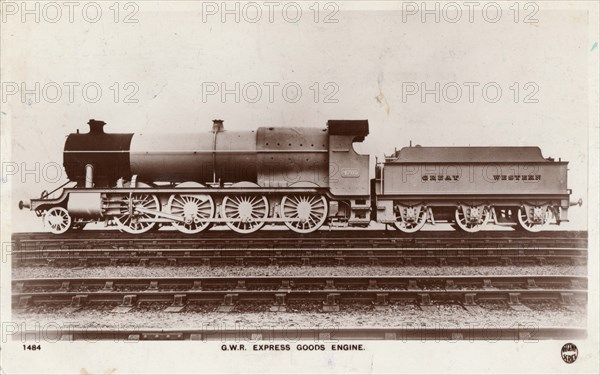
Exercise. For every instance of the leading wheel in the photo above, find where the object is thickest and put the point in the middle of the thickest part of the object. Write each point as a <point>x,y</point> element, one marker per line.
<point>304,213</point>
<point>137,212</point>
<point>242,212</point>
<point>58,220</point>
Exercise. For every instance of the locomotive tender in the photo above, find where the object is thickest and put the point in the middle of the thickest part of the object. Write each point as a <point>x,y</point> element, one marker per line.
<point>299,177</point>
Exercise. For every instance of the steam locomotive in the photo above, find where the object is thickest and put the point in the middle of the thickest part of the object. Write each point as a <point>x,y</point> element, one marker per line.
<point>302,178</point>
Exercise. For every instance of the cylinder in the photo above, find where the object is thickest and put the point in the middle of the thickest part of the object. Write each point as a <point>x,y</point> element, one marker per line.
<point>87,205</point>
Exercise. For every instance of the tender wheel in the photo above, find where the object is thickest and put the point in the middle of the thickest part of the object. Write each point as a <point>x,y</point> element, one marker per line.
<point>306,213</point>
<point>410,219</point>
<point>58,220</point>
<point>534,218</point>
<point>472,218</point>
<point>195,209</point>
<point>133,217</point>
<point>242,211</point>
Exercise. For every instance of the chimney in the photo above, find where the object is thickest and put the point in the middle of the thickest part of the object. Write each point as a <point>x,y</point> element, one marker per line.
<point>96,126</point>
<point>217,126</point>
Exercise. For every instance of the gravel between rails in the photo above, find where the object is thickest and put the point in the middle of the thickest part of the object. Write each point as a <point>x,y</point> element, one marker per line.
<point>396,315</point>
<point>298,271</point>
<point>491,314</point>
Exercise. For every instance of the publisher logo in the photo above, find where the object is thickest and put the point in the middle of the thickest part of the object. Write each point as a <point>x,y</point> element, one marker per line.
<point>569,353</point>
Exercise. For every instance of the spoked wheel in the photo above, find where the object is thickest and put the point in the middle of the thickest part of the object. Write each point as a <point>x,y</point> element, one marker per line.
<point>410,219</point>
<point>534,218</point>
<point>133,217</point>
<point>241,212</point>
<point>306,213</point>
<point>58,220</point>
<point>472,218</point>
<point>194,209</point>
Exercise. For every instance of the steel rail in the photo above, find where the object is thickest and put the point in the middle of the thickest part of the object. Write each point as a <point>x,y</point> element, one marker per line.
<point>295,335</point>
<point>280,239</point>
<point>408,282</point>
<point>286,255</point>
<point>279,291</point>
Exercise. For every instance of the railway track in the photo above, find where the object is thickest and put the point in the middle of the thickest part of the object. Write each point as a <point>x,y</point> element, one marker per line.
<point>329,335</point>
<point>280,239</point>
<point>407,256</point>
<point>336,247</point>
<point>278,292</point>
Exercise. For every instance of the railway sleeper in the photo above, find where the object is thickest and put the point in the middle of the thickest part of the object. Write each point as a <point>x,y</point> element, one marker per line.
<point>153,286</point>
<point>241,285</point>
<point>469,299</point>
<point>412,285</point>
<point>531,284</point>
<point>65,286</point>
<point>127,305</point>
<point>77,303</point>
<point>381,302</point>
<point>425,302</point>
<point>332,302</point>
<point>179,303</point>
<point>24,302</point>
<point>279,304</point>
<point>515,303</point>
<point>286,285</point>
<point>19,287</point>
<point>229,302</point>
<point>566,298</point>
<point>579,261</point>
<point>329,285</point>
<point>576,284</point>
<point>470,305</point>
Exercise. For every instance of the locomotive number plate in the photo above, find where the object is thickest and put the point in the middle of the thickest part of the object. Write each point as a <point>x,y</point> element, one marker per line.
<point>350,173</point>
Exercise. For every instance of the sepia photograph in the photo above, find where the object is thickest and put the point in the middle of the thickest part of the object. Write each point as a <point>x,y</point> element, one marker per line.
<point>299,187</point>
